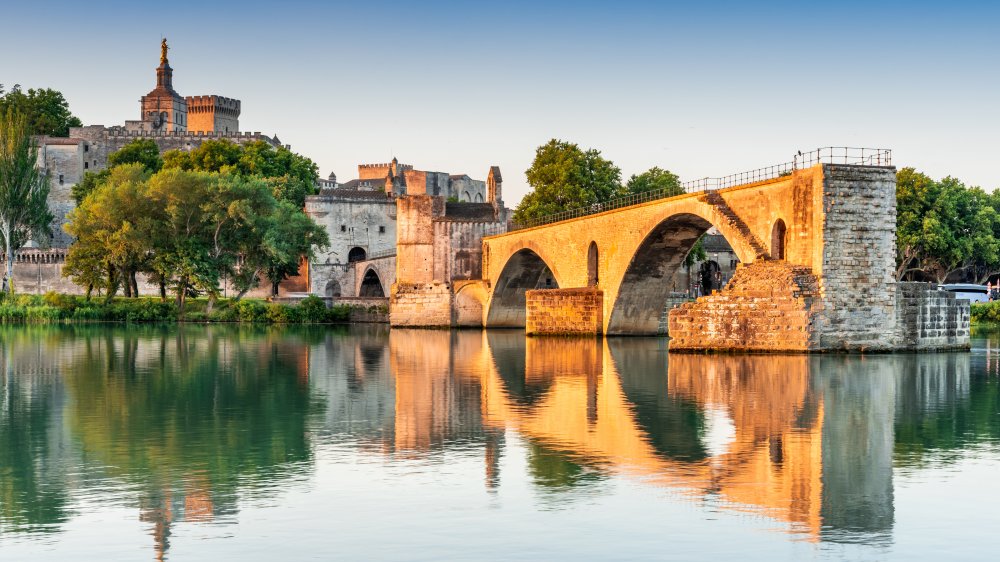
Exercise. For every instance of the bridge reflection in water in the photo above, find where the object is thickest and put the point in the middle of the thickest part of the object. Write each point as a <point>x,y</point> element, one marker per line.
<point>196,424</point>
<point>806,440</point>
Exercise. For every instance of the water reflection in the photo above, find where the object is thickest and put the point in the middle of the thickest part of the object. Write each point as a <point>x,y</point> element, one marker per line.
<point>187,424</point>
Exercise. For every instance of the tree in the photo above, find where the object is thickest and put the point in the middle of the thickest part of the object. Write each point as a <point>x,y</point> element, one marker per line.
<point>944,228</point>
<point>292,177</point>
<point>24,190</point>
<point>46,110</point>
<point>140,151</point>
<point>655,179</point>
<point>113,227</point>
<point>565,177</point>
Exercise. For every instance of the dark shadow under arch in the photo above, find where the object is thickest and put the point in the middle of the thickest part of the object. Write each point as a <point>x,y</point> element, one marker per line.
<point>646,286</point>
<point>371,285</point>
<point>522,272</point>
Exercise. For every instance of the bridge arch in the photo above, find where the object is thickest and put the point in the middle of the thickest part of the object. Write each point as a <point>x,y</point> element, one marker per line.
<point>371,284</point>
<point>524,270</point>
<point>644,286</point>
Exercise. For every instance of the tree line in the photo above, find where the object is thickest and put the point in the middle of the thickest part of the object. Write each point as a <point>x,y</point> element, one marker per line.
<point>191,221</point>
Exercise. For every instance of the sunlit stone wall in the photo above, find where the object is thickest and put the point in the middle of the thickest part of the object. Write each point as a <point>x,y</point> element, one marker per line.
<point>564,311</point>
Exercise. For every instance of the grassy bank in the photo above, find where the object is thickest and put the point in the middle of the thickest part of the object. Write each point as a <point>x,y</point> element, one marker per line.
<point>52,308</point>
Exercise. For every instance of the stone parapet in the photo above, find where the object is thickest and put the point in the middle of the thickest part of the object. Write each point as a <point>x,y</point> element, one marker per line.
<point>564,312</point>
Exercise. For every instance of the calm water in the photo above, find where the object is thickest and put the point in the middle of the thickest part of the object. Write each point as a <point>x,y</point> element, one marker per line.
<point>217,442</point>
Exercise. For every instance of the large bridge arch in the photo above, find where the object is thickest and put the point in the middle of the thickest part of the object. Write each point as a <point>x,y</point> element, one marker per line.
<point>523,270</point>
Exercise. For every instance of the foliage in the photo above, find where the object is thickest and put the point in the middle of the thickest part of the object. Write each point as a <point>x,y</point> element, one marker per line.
<point>565,177</point>
<point>655,179</point>
<point>24,190</point>
<point>291,177</point>
<point>46,110</point>
<point>944,228</point>
<point>55,307</point>
<point>139,151</point>
<point>985,312</point>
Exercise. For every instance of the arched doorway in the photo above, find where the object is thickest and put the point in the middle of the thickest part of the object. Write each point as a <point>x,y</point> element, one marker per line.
<point>333,288</point>
<point>356,254</point>
<point>371,285</point>
<point>709,277</point>
<point>592,265</point>
<point>778,240</point>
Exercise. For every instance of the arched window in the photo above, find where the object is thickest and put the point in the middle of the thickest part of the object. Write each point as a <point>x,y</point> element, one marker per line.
<point>371,285</point>
<point>778,240</point>
<point>356,254</point>
<point>592,265</point>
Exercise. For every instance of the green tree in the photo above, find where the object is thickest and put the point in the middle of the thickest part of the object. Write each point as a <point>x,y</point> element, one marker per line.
<point>565,177</point>
<point>113,227</point>
<point>943,228</point>
<point>24,190</point>
<point>140,151</point>
<point>292,177</point>
<point>655,179</point>
<point>46,110</point>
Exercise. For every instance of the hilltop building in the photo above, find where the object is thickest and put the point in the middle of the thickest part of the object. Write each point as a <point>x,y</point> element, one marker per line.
<point>166,117</point>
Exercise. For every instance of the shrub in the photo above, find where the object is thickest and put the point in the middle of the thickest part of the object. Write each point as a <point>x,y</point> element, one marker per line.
<point>339,313</point>
<point>983,312</point>
<point>282,314</point>
<point>312,309</point>
<point>11,313</point>
<point>42,314</point>
<point>251,311</point>
<point>225,314</point>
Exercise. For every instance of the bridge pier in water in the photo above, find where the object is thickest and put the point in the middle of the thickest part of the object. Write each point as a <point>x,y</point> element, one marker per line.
<point>817,253</point>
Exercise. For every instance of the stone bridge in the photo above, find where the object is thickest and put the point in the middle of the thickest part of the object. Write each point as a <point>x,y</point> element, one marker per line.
<point>817,247</point>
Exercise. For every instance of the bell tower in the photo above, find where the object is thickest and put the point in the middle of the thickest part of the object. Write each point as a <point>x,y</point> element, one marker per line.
<point>163,109</point>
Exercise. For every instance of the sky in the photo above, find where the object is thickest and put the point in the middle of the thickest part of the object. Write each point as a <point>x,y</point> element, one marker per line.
<point>700,88</point>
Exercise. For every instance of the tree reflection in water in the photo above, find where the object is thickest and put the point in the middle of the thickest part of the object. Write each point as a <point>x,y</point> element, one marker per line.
<point>184,422</point>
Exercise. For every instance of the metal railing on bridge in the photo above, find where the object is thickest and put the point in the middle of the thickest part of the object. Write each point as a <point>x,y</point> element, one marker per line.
<point>802,160</point>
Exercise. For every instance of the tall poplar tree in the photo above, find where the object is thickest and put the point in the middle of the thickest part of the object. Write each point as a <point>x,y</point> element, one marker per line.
<point>24,189</point>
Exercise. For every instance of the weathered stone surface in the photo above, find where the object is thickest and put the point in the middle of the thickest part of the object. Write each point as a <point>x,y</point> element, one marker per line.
<point>564,311</point>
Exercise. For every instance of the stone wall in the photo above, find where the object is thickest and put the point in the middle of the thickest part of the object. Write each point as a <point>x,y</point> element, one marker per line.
<point>930,319</point>
<point>768,306</point>
<point>420,305</point>
<point>858,257</point>
<point>564,311</point>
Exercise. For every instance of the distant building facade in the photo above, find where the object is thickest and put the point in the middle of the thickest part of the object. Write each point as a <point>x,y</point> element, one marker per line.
<point>362,220</point>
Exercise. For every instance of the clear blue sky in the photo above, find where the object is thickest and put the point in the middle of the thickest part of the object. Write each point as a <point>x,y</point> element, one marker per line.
<point>700,88</point>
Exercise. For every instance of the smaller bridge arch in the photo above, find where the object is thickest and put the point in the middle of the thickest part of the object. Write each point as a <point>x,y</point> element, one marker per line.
<point>371,284</point>
<point>523,271</point>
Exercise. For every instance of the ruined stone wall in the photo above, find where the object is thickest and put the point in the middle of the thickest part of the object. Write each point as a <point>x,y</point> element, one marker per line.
<point>858,214</point>
<point>415,238</point>
<point>564,311</point>
<point>930,319</point>
<point>768,306</point>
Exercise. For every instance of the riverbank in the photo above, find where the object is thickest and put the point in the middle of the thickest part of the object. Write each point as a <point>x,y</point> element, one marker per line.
<point>59,308</point>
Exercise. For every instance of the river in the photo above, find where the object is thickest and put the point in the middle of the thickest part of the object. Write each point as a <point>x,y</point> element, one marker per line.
<point>217,442</point>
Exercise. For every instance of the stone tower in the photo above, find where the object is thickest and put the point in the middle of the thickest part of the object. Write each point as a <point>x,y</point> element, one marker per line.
<point>494,184</point>
<point>213,114</point>
<point>163,109</point>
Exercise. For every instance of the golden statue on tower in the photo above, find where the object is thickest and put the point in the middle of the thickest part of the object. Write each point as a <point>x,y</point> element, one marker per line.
<point>163,51</point>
